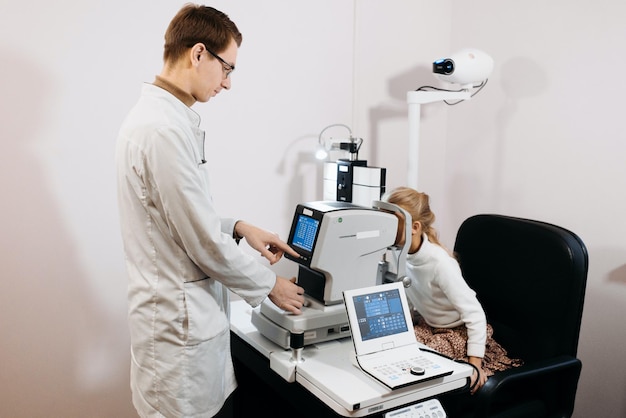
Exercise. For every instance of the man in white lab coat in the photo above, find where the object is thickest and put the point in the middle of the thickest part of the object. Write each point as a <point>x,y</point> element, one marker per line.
<point>181,255</point>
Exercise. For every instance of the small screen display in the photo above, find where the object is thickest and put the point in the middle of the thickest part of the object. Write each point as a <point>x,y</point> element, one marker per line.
<point>305,233</point>
<point>379,314</point>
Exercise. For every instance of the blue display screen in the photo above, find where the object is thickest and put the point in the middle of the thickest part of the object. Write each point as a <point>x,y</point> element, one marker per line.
<point>305,233</point>
<point>380,314</point>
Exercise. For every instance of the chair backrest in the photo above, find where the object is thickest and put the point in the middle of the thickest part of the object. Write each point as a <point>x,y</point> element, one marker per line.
<point>530,277</point>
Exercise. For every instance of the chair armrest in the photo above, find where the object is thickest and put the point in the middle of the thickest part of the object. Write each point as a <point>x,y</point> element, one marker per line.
<point>487,394</point>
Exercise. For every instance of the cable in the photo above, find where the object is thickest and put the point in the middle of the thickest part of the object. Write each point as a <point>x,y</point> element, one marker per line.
<point>319,138</point>
<point>479,87</point>
<point>352,147</point>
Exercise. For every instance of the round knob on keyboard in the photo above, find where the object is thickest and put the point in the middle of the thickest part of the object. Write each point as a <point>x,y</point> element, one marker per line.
<point>418,371</point>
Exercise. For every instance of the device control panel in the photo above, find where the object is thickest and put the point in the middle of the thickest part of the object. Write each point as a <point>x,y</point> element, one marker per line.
<point>428,409</point>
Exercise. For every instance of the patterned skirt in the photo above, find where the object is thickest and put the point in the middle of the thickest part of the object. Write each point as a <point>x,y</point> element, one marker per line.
<point>452,342</point>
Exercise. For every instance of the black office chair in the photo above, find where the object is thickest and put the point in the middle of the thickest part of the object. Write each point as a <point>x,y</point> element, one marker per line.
<point>530,278</point>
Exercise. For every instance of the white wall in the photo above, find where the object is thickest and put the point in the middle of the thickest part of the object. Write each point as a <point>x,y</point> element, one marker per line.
<point>549,144</point>
<point>70,72</point>
<point>543,140</point>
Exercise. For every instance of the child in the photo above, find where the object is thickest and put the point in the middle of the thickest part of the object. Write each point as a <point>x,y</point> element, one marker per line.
<point>447,316</point>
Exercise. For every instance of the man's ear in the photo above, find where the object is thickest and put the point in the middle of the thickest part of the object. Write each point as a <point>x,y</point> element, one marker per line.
<point>195,53</point>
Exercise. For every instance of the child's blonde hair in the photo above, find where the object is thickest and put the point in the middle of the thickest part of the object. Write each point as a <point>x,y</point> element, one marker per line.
<point>417,204</point>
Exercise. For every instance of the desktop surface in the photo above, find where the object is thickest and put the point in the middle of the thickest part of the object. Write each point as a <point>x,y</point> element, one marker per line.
<point>329,371</point>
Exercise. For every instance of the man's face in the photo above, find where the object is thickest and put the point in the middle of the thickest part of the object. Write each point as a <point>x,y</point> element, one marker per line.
<point>212,73</point>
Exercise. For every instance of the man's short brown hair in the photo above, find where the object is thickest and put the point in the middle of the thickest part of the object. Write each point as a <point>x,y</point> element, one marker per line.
<point>196,23</point>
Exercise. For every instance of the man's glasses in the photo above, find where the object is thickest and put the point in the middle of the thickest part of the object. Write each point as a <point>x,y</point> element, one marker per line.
<point>228,68</point>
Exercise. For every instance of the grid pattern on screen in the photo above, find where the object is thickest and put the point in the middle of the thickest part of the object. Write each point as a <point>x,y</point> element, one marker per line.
<point>306,230</point>
<point>379,314</point>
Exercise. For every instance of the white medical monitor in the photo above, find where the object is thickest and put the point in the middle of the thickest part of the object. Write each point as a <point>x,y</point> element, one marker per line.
<point>379,317</point>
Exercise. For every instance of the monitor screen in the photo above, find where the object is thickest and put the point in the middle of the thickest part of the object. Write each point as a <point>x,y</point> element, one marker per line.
<point>305,232</point>
<point>308,227</point>
<point>379,314</point>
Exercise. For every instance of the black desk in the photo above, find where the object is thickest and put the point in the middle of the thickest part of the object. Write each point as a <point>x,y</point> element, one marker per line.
<point>261,389</point>
<point>325,385</point>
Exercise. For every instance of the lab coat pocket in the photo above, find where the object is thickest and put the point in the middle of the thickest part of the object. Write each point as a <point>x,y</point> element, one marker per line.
<point>204,315</point>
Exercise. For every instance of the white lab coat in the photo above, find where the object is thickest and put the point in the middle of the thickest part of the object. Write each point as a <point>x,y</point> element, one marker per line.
<point>179,254</point>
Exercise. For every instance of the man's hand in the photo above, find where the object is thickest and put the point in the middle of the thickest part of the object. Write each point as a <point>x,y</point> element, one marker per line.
<point>267,243</point>
<point>287,295</point>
